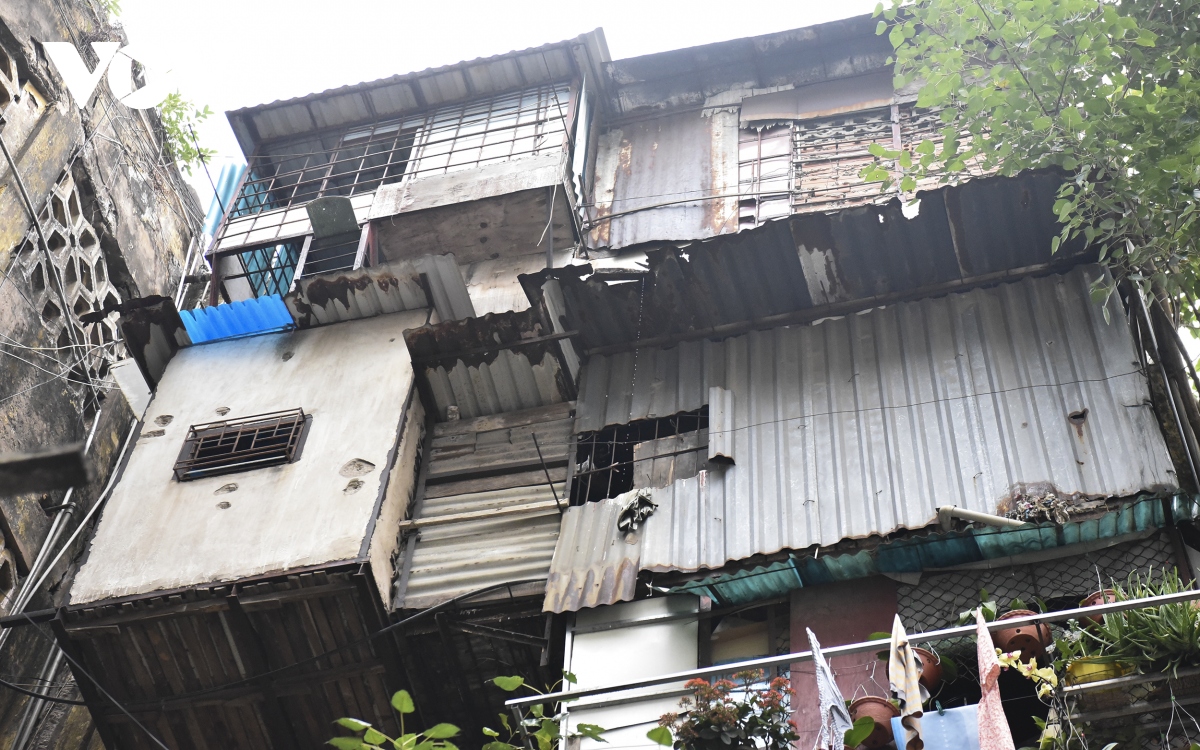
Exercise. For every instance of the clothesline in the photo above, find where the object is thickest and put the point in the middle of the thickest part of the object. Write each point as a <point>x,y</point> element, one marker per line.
<point>517,704</point>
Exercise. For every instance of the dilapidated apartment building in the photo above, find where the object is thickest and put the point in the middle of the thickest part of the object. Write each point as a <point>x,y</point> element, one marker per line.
<point>548,361</point>
<point>92,216</point>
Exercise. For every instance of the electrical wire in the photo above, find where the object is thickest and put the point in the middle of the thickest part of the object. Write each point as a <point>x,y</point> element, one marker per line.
<point>94,681</point>
<point>41,696</point>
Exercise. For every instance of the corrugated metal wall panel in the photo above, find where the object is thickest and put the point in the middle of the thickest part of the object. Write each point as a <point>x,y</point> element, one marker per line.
<point>654,163</point>
<point>641,384</point>
<point>594,563</point>
<point>510,382</point>
<point>456,558</point>
<point>866,424</point>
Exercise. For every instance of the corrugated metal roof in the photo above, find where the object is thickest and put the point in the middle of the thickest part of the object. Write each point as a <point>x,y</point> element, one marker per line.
<point>400,94</point>
<point>387,288</point>
<point>487,366</point>
<point>594,563</point>
<point>456,558</point>
<point>982,229</point>
<point>688,77</point>
<point>244,318</point>
<point>867,424</point>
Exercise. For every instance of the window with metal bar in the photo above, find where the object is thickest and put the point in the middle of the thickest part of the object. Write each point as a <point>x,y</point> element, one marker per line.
<point>607,460</point>
<point>269,270</point>
<point>235,445</point>
<point>360,159</point>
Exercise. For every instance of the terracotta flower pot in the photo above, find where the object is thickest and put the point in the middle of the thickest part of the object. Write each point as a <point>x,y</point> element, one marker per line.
<point>881,711</point>
<point>931,668</point>
<point>1030,640</point>
<point>1100,597</point>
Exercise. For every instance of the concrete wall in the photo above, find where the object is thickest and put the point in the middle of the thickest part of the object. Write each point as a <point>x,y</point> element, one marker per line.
<point>140,215</point>
<point>157,533</point>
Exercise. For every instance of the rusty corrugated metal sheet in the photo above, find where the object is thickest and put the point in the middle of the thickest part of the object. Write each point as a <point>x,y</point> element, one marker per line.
<point>866,424</point>
<point>401,94</point>
<point>665,161</point>
<point>985,227</point>
<point>391,287</point>
<point>688,77</point>
<point>484,365</point>
<point>594,563</point>
<point>456,558</point>
<point>153,331</point>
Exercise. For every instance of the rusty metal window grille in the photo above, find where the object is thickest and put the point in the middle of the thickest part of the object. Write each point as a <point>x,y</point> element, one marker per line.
<point>235,445</point>
<point>604,459</point>
<point>360,159</point>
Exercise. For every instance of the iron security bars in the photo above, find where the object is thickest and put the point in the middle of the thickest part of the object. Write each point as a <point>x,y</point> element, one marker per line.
<point>237,445</point>
<point>358,160</point>
<point>605,458</point>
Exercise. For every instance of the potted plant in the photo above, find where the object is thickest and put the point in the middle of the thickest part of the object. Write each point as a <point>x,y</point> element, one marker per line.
<point>1030,640</point>
<point>879,710</point>
<point>724,715</point>
<point>1104,596</point>
<point>931,668</point>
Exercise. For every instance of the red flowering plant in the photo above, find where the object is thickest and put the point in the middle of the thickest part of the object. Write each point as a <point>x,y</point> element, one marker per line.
<point>726,715</point>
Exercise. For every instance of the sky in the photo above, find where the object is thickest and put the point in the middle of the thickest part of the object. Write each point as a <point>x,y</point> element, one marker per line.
<point>228,54</point>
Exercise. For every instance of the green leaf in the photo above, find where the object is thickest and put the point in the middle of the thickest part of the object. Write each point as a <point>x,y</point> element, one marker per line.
<point>490,732</point>
<point>347,743</point>
<point>508,683</point>
<point>403,702</point>
<point>570,677</point>
<point>499,746</point>
<point>354,725</point>
<point>661,736</point>
<point>862,729</point>
<point>405,742</point>
<point>880,27</point>
<point>593,731</point>
<point>441,731</point>
<point>375,737</point>
<point>1042,123</point>
<point>537,710</point>
<point>879,635</point>
<point>504,722</point>
<point>896,36</point>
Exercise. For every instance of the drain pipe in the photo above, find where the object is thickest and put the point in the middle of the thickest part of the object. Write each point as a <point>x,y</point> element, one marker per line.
<point>947,514</point>
<point>31,716</point>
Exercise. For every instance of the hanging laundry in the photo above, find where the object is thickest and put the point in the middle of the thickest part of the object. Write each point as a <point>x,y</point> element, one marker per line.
<point>835,718</point>
<point>993,725</point>
<point>946,729</point>
<point>904,676</point>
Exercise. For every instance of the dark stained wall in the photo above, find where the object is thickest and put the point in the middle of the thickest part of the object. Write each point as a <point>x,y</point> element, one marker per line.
<point>125,219</point>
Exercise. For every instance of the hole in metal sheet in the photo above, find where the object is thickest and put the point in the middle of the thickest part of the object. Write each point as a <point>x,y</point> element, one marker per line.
<point>163,420</point>
<point>222,410</point>
<point>224,505</point>
<point>1078,417</point>
<point>288,355</point>
<point>354,485</point>
<point>225,489</point>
